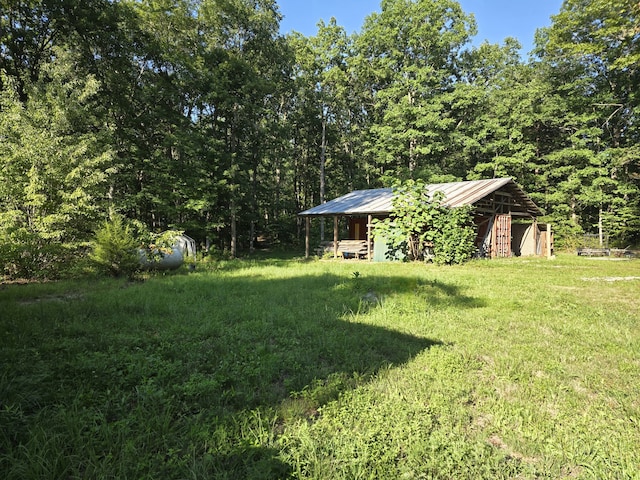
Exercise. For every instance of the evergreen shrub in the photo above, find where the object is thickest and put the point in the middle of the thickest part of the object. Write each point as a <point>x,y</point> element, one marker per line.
<point>115,249</point>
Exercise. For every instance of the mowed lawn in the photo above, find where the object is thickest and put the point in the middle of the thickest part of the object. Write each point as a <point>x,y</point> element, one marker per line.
<point>283,368</point>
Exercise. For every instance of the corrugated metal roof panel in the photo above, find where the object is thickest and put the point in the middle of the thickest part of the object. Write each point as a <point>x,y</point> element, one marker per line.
<point>379,200</point>
<point>457,194</point>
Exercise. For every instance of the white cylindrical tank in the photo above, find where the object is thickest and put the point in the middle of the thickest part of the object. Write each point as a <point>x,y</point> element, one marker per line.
<point>183,247</point>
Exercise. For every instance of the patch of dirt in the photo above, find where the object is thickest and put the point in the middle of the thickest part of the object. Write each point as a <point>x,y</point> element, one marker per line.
<point>497,442</point>
<point>574,471</point>
<point>4,281</point>
<point>582,390</point>
<point>609,279</point>
<point>67,297</point>
<point>486,359</point>
<point>609,259</point>
<point>481,422</point>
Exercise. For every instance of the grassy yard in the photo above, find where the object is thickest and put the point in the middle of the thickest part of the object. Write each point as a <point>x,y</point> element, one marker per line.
<point>281,368</point>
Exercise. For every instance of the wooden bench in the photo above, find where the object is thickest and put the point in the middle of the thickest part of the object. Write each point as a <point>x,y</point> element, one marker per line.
<point>593,252</point>
<point>346,249</point>
<point>352,248</point>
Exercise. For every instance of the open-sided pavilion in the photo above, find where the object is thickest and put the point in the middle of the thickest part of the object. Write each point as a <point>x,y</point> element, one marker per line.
<point>505,216</point>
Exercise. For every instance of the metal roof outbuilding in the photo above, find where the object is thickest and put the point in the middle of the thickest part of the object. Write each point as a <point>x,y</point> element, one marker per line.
<point>456,194</point>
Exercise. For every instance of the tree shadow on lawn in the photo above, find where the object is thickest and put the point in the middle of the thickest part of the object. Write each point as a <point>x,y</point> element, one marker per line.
<point>230,360</point>
<point>292,344</point>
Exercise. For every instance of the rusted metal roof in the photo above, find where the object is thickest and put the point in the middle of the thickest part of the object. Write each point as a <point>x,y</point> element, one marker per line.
<point>378,201</point>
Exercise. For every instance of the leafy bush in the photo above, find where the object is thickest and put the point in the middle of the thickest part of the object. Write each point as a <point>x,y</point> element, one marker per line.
<point>453,236</point>
<point>421,223</point>
<point>27,255</point>
<point>115,248</point>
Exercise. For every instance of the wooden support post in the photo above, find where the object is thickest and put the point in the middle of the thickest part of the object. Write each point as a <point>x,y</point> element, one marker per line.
<point>307,221</point>
<point>335,236</point>
<point>494,242</point>
<point>549,237</point>
<point>369,221</point>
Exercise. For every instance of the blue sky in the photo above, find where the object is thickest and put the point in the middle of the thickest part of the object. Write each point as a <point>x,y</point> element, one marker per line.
<point>496,19</point>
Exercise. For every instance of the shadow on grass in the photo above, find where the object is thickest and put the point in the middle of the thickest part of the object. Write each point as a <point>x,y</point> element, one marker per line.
<point>207,367</point>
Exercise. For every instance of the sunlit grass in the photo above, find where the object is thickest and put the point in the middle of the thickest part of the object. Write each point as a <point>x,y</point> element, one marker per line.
<point>272,368</point>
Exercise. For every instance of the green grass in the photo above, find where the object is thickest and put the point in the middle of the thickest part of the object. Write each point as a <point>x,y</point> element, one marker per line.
<point>281,368</point>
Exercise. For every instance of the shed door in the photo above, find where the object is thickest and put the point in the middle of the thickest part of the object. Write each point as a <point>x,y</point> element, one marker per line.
<point>502,236</point>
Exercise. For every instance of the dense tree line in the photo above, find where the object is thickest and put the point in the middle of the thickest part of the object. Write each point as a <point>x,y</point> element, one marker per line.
<point>199,115</point>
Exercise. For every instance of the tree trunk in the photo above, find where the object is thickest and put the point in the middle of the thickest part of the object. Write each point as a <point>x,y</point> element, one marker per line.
<point>234,233</point>
<point>600,232</point>
<point>323,152</point>
<point>252,236</point>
